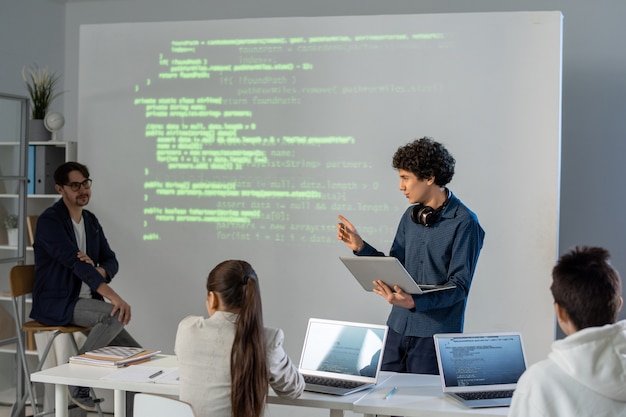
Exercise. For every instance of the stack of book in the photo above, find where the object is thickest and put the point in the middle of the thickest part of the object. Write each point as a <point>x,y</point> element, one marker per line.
<point>115,356</point>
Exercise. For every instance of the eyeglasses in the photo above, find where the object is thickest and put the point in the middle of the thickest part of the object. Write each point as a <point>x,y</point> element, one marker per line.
<point>75,186</point>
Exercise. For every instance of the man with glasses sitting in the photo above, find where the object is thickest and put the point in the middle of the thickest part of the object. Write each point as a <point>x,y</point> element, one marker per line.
<point>74,265</point>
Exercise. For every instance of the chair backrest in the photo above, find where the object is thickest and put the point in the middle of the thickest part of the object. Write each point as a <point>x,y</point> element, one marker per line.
<point>150,405</point>
<point>22,279</point>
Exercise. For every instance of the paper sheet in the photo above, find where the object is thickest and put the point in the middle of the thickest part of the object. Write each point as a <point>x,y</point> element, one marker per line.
<point>154,374</point>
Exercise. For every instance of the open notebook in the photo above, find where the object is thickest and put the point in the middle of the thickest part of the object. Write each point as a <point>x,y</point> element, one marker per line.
<point>480,369</point>
<point>340,357</point>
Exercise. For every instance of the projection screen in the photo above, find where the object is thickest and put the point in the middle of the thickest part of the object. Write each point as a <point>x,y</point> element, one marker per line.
<point>244,139</point>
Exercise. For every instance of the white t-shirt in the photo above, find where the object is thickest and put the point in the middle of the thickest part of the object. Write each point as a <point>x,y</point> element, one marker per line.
<point>79,232</point>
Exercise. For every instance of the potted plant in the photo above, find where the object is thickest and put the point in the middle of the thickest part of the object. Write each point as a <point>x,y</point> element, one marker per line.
<point>10,224</point>
<point>40,85</point>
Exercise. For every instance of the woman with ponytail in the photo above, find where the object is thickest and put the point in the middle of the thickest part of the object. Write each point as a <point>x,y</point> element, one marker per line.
<point>228,361</point>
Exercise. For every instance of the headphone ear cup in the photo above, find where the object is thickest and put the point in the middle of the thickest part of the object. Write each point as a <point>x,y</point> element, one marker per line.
<point>424,215</point>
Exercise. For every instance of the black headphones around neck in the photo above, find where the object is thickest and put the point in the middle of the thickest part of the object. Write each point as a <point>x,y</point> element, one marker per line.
<point>426,215</point>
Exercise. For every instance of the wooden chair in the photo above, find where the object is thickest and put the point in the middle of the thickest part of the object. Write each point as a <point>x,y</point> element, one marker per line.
<point>150,405</point>
<point>22,279</point>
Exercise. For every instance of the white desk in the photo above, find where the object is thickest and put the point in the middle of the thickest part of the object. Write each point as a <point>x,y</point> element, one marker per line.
<point>90,376</point>
<point>417,395</point>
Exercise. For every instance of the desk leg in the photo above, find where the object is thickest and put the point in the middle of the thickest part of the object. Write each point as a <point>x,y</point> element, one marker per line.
<point>336,413</point>
<point>60,401</point>
<point>119,403</point>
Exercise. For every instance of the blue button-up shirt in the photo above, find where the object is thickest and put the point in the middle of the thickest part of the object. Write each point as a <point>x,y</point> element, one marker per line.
<point>445,252</point>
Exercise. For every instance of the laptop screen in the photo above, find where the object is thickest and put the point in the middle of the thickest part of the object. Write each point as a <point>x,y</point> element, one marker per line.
<point>342,348</point>
<point>467,360</point>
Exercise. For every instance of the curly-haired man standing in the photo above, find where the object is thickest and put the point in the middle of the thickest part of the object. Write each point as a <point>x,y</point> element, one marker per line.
<point>438,241</point>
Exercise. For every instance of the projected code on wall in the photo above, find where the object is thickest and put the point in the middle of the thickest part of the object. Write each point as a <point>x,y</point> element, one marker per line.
<point>252,153</point>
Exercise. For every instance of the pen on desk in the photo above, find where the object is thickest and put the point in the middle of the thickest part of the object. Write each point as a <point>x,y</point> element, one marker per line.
<point>154,375</point>
<point>390,393</point>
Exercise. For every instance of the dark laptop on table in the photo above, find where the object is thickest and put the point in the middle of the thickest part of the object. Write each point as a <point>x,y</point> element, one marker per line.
<point>480,370</point>
<point>340,357</point>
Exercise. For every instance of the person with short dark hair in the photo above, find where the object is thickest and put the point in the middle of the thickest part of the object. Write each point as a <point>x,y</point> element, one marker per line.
<point>74,266</point>
<point>228,361</point>
<point>438,241</point>
<point>585,373</point>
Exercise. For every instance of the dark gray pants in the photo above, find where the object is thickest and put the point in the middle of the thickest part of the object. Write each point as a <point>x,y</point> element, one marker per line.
<point>106,330</point>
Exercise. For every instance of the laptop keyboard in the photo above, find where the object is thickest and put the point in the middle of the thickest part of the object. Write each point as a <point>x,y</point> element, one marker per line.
<point>331,382</point>
<point>485,395</point>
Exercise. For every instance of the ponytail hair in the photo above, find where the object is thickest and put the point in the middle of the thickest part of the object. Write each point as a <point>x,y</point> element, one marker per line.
<point>238,288</point>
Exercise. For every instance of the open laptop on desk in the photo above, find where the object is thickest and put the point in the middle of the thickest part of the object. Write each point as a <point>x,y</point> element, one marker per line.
<point>340,357</point>
<point>480,370</point>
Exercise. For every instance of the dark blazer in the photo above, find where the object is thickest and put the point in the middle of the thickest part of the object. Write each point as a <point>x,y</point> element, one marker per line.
<point>58,272</point>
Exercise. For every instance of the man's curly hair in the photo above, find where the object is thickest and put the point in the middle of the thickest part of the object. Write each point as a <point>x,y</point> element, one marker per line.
<point>426,158</point>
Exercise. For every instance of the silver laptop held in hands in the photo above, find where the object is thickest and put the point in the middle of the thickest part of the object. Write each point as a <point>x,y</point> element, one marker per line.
<point>389,269</point>
<point>340,357</point>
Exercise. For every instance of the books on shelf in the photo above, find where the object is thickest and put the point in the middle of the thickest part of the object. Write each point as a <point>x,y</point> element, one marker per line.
<point>42,161</point>
<point>114,356</point>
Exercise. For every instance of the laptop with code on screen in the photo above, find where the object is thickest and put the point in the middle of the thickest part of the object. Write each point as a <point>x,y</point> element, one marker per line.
<point>340,357</point>
<point>480,369</point>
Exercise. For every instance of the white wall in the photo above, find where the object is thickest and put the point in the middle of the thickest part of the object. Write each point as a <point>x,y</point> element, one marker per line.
<point>31,32</point>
